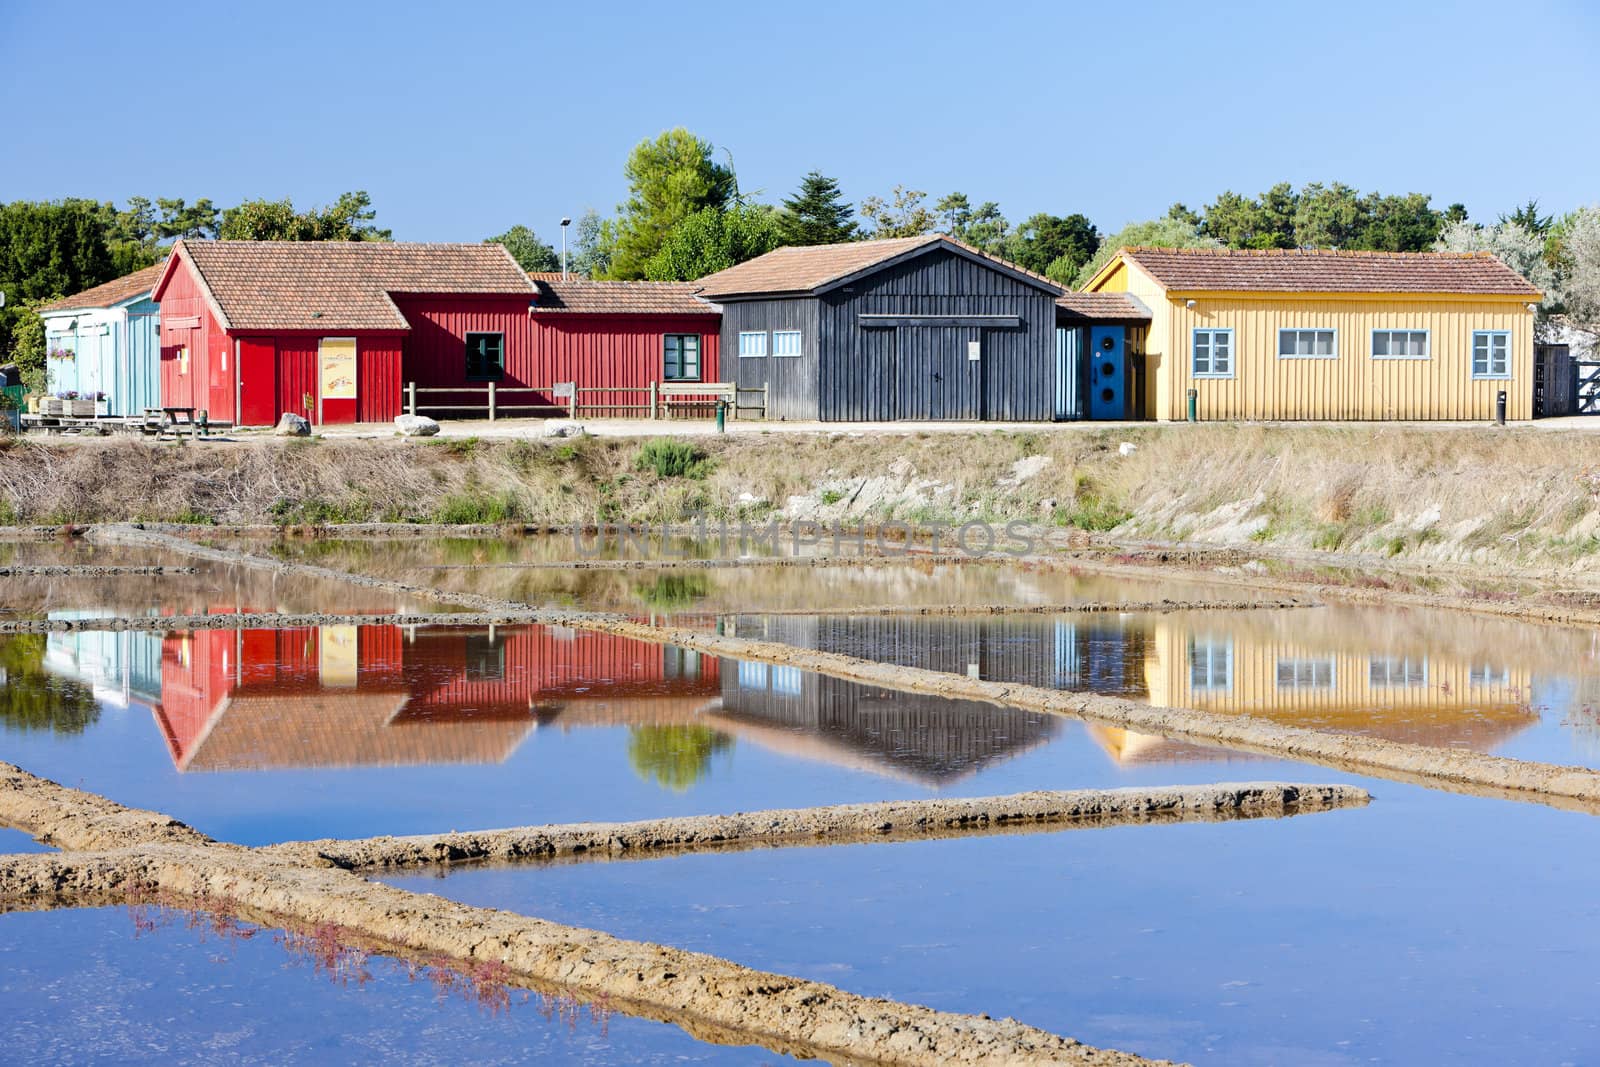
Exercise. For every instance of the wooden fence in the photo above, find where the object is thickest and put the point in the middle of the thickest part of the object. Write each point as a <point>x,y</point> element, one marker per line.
<point>654,401</point>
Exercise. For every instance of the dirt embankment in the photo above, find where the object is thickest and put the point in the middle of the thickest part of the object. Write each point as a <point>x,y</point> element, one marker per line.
<point>1462,493</point>
<point>891,820</point>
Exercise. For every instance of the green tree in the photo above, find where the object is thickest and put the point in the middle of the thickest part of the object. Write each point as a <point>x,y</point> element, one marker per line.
<point>1527,216</point>
<point>350,218</point>
<point>49,250</point>
<point>674,756</point>
<point>1246,222</point>
<point>714,239</point>
<point>28,350</point>
<point>902,216</point>
<point>1400,223</point>
<point>592,246</point>
<point>1157,233</point>
<point>34,699</point>
<point>189,221</point>
<point>1051,242</point>
<point>953,212</point>
<point>526,248</point>
<point>1332,216</point>
<point>986,229</point>
<point>669,179</point>
<point>818,213</point>
<point>1454,214</point>
<point>1180,212</point>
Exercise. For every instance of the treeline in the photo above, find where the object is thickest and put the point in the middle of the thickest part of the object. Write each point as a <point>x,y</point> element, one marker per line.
<point>685,216</point>
<point>56,248</point>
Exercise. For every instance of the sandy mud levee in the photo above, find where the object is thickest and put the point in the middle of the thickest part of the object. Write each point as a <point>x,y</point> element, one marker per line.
<point>894,820</point>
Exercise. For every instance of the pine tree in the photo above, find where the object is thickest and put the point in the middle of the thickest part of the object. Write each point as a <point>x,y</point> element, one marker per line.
<point>818,213</point>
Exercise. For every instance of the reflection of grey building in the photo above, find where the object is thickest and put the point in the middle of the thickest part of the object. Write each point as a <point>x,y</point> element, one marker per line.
<point>1090,653</point>
<point>928,739</point>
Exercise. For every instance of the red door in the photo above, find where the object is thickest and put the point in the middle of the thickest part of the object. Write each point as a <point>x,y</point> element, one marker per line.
<point>258,382</point>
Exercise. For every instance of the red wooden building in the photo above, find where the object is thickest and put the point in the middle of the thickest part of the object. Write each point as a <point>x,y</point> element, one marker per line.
<point>622,335</point>
<point>330,330</point>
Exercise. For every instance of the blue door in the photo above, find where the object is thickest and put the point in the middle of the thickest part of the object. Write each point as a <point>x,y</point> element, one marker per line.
<point>1108,378</point>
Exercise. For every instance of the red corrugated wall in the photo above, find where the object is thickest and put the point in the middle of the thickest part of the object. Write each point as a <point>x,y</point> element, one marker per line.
<point>377,375</point>
<point>616,350</point>
<point>592,350</point>
<point>209,381</point>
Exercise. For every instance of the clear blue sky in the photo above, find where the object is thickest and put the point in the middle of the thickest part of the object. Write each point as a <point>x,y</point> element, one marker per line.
<point>464,118</point>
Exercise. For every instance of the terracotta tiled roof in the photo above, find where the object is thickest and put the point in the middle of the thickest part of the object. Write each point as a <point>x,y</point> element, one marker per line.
<point>584,296</point>
<point>343,728</point>
<point>804,269</point>
<point>1118,307</point>
<point>342,285</point>
<point>111,293</point>
<point>1289,271</point>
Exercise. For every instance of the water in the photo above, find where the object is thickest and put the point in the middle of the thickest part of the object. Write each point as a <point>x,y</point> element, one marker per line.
<point>258,736</point>
<point>108,985</point>
<point>504,568</point>
<point>1428,677</point>
<point>1426,928</point>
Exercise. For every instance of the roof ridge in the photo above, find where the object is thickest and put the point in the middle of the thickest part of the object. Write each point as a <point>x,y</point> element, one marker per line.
<point>1268,253</point>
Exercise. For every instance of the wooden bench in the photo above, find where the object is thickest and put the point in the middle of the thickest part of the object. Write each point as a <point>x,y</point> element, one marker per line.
<point>697,394</point>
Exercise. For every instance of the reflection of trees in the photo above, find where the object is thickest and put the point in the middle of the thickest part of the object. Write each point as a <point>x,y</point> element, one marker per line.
<point>669,592</point>
<point>32,698</point>
<point>674,756</point>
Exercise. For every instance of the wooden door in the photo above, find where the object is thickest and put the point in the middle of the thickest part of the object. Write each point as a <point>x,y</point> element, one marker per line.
<point>258,382</point>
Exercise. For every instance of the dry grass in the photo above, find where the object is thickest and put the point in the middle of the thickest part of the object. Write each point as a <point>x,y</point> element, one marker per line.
<point>1450,493</point>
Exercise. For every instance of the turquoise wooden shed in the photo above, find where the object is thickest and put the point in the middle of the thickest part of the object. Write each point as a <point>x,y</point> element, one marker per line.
<point>106,340</point>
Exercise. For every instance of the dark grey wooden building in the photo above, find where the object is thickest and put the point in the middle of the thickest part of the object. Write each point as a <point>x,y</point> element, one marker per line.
<point>904,328</point>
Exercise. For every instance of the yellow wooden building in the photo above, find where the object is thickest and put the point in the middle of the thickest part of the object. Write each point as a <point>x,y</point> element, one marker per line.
<point>1327,335</point>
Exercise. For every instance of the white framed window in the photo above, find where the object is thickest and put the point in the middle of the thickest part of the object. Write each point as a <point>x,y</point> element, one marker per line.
<point>785,343</point>
<point>1401,344</point>
<point>681,357</point>
<point>1210,664</point>
<point>1308,344</point>
<point>1306,672</point>
<point>1483,675</point>
<point>1213,354</point>
<point>752,344</point>
<point>1397,672</point>
<point>786,680</point>
<point>752,675</point>
<point>1491,353</point>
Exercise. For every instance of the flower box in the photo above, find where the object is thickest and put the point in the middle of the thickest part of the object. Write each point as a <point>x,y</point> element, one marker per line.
<point>102,408</point>
<point>81,408</point>
<point>52,405</point>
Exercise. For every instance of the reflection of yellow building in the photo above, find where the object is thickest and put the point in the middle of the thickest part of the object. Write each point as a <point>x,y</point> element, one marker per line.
<point>1400,695</point>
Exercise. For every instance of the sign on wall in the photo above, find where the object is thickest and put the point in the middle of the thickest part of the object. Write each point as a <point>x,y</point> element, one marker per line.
<point>336,358</point>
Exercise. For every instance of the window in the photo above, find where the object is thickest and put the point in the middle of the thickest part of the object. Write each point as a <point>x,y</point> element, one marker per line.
<point>1213,353</point>
<point>1210,664</point>
<point>1483,675</point>
<point>1305,673</point>
<point>1308,344</point>
<point>785,342</point>
<point>752,344</point>
<point>682,357</point>
<point>1491,354</point>
<point>486,357</point>
<point>1397,672</point>
<point>485,659</point>
<point>786,680</point>
<point>752,675</point>
<point>679,662</point>
<point>1400,344</point>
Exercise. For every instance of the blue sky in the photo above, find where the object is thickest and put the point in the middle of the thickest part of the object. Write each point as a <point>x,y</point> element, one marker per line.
<point>463,118</point>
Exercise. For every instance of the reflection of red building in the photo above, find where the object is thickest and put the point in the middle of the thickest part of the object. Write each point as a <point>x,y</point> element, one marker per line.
<point>383,695</point>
